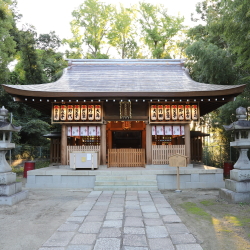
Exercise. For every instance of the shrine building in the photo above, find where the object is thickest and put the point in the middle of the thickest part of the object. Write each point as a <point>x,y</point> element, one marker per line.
<point>141,109</point>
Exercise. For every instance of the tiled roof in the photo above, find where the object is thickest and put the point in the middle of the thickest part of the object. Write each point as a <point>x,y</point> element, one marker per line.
<point>85,77</point>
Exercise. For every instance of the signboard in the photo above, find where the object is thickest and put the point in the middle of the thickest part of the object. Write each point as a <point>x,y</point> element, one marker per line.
<point>178,160</point>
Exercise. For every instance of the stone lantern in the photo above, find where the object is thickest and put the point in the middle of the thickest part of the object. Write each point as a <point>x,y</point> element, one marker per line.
<point>237,188</point>
<point>10,190</point>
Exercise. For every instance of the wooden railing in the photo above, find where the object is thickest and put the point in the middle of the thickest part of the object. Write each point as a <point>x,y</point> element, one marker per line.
<point>82,148</point>
<point>126,157</point>
<point>161,153</point>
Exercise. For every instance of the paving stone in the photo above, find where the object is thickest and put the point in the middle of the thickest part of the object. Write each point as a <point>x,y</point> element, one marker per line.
<point>153,222</point>
<point>84,239</point>
<point>166,211</point>
<point>97,212</point>
<point>148,209</point>
<point>133,207</point>
<point>115,209</point>
<point>76,219</point>
<point>92,218</point>
<point>79,213</point>
<point>110,233</point>
<point>59,239</point>
<point>134,230</point>
<point>112,223</point>
<point>133,212</point>
<point>156,232</point>
<point>68,227</point>
<point>107,244</point>
<point>133,222</point>
<point>134,240</point>
<point>172,218</point>
<point>182,238</point>
<point>51,248</point>
<point>79,247</point>
<point>114,216</point>
<point>83,207</point>
<point>105,204</point>
<point>135,248</point>
<point>100,207</point>
<point>145,199</point>
<point>146,203</point>
<point>161,244</point>
<point>132,203</point>
<point>151,215</point>
<point>189,247</point>
<point>90,227</point>
<point>131,198</point>
<point>165,204</point>
<point>179,228</point>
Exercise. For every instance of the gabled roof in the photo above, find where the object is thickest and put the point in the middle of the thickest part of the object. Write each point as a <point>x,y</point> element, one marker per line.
<point>132,78</point>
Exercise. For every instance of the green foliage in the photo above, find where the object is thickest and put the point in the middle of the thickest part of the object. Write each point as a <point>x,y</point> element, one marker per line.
<point>7,44</point>
<point>90,26</point>
<point>32,132</point>
<point>122,33</point>
<point>158,28</point>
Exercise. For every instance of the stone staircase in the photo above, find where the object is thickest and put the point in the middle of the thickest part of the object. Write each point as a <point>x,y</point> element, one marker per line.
<point>126,181</point>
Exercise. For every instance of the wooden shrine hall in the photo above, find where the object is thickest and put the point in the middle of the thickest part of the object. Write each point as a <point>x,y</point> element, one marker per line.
<point>134,112</point>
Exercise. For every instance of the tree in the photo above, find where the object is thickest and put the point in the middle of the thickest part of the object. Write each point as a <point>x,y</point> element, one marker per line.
<point>7,44</point>
<point>122,33</point>
<point>90,26</point>
<point>51,61</point>
<point>158,28</point>
<point>29,66</point>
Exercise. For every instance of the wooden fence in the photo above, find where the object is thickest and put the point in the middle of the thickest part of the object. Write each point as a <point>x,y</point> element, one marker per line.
<point>83,149</point>
<point>161,153</point>
<point>126,157</point>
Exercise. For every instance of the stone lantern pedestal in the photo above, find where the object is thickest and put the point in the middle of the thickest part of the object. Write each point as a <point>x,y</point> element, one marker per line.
<point>237,188</point>
<point>10,190</point>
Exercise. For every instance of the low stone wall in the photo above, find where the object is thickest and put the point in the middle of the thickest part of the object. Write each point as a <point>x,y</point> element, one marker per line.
<point>190,178</point>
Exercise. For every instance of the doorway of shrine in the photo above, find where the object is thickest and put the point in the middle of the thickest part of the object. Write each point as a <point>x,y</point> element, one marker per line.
<point>126,143</point>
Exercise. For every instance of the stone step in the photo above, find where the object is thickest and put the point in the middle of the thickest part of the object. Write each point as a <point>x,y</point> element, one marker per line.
<point>126,188</point>
<point>126,183</point>
<point>125,177</point>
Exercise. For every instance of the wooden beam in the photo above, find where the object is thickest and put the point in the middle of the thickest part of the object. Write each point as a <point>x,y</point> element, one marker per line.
<point>187,143</point>
<point>64,145</point>
<point>148,144</point>
<point>103,144</point>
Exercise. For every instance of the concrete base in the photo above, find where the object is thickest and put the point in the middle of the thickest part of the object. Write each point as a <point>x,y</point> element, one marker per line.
<point>238,186</point>
<point>7,178</point>
<point>10,189</point>
<point>234,197</point>
<point>150,178</point>
<point>13,199</point>
<point>240,175</point>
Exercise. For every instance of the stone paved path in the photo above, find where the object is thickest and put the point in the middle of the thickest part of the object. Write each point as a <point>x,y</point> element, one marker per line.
<point>123,220</point>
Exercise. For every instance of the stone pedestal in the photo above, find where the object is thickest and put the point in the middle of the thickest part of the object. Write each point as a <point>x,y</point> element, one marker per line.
<point>10,190</point>
<point>237,188</point>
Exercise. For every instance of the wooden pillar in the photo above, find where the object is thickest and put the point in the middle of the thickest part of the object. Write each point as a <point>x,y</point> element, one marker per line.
<point>103,145</point>
<point>187,143</point>
<point>64,145</point>
<point>148,144</point>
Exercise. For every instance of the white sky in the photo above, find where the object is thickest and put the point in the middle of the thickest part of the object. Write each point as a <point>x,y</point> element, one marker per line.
<point>55,15</point>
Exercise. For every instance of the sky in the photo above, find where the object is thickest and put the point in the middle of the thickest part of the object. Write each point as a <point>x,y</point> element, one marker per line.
<point>55,15</point>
